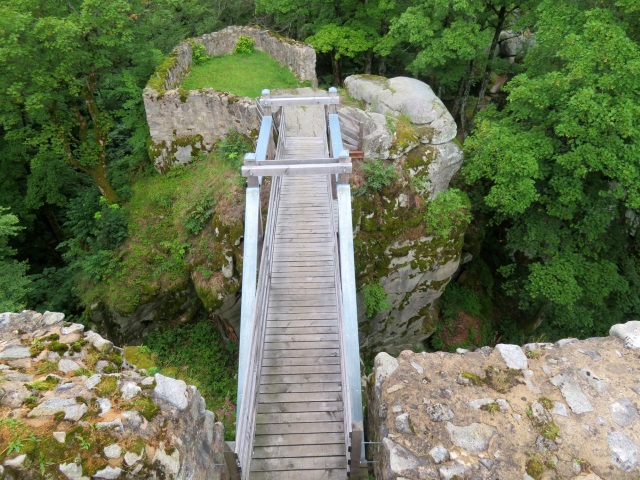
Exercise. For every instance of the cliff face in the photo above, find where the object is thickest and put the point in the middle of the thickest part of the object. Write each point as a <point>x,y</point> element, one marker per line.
<point>546,411</point>
<point>72,408</point>
<point>408,126</point>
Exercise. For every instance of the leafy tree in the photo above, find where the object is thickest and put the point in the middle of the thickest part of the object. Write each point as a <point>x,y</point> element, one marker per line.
<point>14,283</point>
<point>559,169</point>
<point>454,42</point>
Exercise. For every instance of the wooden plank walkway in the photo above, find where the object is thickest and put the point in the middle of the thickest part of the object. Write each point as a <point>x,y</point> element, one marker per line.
<point>299,422</point>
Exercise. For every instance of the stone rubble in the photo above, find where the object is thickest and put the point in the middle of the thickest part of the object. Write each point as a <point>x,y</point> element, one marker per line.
<point>121,425</point>
<point>568,410</point>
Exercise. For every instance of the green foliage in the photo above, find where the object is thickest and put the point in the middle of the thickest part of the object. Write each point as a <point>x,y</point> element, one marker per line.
<point>14,282</point>
<point>376,299</point>
<point>244,45</point>
<point>448,212</point>
<point>160,246</point>
<point>458,298</point>
<point>198,216</point>
<point>341,40</point>
<point>199,55</point>
<point>557,170</point>
<point>376,176</point>
<point>233,147</point>
<point>244,75</point>
<point>199,356</point>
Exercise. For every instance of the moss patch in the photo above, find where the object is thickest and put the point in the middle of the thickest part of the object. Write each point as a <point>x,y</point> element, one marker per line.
<point>145,407</point>
<point>160,252</point>
<point>107,386</point>
<point>42,385</point>
<point>140,356</point>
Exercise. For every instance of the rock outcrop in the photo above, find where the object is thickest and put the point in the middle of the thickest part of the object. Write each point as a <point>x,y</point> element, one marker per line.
<point>406,123</point>
<point>71,407</point>
<point>546,411</point>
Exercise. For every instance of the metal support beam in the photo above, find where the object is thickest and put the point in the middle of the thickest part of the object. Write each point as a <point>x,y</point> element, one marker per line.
<point>249,283</point>
<point>336,136</point>
<point>285,101</point>
<point>264,169</point>
<point>349,307</point>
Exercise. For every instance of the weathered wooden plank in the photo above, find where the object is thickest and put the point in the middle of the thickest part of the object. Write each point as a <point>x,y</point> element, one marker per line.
<point>302,282</point>
<point>302,338</point>
<point>302,330</point>
<point>304,377</point>
<point>300,397</point>
<point>294,428</point>
<point>299,463</point>
<point>324,304</point>
<point>300,370</point>
<point>302,309</point>
<point>324,474</point>
<point>262,418</point>
<point>298,345</point>
<point>299,451</point>
<point>301,323</point>
<point>300,407</point>
<point>309,387</point>
<point>321,438</point>
<point>301,316</point>
<point>306,352</point>
<point>285,271</point>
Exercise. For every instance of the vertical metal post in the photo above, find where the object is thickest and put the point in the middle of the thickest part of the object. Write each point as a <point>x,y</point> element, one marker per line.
<point>266,104</point>
<point>231,461</point>
<point>355,452</point>
<point>344,158</point>
<point>333,92</point>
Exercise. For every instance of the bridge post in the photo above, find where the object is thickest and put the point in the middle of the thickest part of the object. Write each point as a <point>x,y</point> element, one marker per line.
<point>344,157</point>
<point>333,92</point>
<point>266,105</point>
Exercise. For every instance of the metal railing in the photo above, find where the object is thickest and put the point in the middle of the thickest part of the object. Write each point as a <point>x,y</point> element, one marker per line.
<point>256,283</point>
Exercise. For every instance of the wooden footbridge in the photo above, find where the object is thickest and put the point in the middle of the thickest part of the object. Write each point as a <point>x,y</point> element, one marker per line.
<point>299,406</point>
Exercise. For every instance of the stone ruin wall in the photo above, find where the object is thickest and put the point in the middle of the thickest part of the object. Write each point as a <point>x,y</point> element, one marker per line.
<point>183,122</point>
<point>142,426</point>
<point>564,410</point>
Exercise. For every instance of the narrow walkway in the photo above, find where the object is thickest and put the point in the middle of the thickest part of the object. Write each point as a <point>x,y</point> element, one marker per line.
<point>299,422</point>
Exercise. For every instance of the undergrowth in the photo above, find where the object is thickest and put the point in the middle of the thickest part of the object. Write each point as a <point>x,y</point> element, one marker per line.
<point>197,353</point>
<point>166,215</point>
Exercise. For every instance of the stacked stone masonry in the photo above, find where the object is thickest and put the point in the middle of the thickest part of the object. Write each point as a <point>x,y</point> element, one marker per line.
<point>567,410</point>
<point>90,414</point>
<point>183,122</point>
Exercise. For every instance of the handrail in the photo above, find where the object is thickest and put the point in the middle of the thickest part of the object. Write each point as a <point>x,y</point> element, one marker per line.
<point>245,423</point>
<point>346,398</point>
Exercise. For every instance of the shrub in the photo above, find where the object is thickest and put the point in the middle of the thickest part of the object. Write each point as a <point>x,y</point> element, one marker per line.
<point>200,55</point>
<point>197,217</point>
<point>448,211</point>
<point>244,45</point>
<point>375,299</point>
<point>233,147</point>
<point>376,176</point>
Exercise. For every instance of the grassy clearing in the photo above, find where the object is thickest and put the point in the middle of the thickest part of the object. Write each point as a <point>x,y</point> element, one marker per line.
<point>241,74</point>
<point>162,249</point>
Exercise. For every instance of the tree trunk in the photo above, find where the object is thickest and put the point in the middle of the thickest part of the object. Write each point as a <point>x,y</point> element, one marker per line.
<point>368,61</point>
<point>337,76</point>
<point>456,103</point>
<point>502,15</point>
<point>463,103</point>
<point>99,176</point>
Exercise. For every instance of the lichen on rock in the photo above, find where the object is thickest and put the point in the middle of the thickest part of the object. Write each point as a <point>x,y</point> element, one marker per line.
<point>80,424</point>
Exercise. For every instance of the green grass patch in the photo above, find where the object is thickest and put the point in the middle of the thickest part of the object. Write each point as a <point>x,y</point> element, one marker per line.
<point>197,353</point>
<point>161,249</point>
<point>140,356</point>
<point>241,74</point>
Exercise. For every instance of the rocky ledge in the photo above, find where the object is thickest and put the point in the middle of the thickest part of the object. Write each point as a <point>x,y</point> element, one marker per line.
<point>72,408</point>
<point>545,411</point>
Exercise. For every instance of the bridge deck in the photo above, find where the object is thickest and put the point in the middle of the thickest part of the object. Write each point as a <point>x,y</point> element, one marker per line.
<point>299,422</point>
